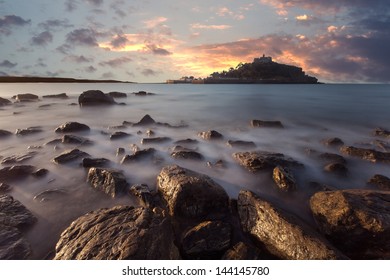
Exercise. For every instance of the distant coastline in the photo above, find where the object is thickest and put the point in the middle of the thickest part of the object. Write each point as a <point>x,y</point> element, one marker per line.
<point>16,79</point>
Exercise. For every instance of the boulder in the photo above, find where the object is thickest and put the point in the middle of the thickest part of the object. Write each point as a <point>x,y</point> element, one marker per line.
<point>4,101</point>
<point>25,97</point>
<point>12,244</point>
<point>283,234</point>
<point>73,139</point>
<point>260,123</point>
<point>69,156</point>
<point>70,127</point>
<point>28,131</point>
<point>207,239</point>
<point>119,135</point>
<point>240,144</point>
<point>333,142</point>
<point>155,140</point>
<point>284,179</point>
<point>4,133</point>
<point>242,251</point>
<point>144,194</point>
<point>40,172</point>
<point>15,159</point>
<point>381,132</point>
<point>57,96</point>
<point>14,214</point>
<point>186,154</point>
<point>336,168</point>
<point>138,155</point>
<point>120,151</point>
<point>146,120</point>
<point>186,141</point>
<point>119,233</point>
<point>332,158</point>
<point>95,97</point>
<point>110,181</point>
<point>366,154</point>
<point>382,182</point>
<point>150,133</point>
<point>15,172</point>
<point>191,195</point>
<point>210,135</point>
<point>95,162</point>
<point>117,94</point>
<point>356,221</point>
<point>256,161</point>
<point>142,93</point>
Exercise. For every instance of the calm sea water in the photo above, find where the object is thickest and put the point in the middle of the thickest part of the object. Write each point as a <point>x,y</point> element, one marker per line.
<point>310,113</point>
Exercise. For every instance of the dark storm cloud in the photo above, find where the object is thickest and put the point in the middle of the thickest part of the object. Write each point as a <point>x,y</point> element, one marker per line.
<point>83,36</point>
<point>9,21</point>
<point>55,24</point>
<point>117,62</point>
<point>42,39</point>
<point>7,64</point>
<point>149,72</point>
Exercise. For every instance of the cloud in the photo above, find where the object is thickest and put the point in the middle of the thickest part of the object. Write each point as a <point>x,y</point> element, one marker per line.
<point>152,23</point>
<point>116,62</point>
<point>158,51</point>
<point>226,12</point>
<point>95,2</point>
<point>90,69</point>
<point>150,72</point>
<point>77,59</point>
<point>119,41</point>
<point>55,24</point>
<point>42,39</point>
<point>83,37</point>
<point>214,27</point>
<point>9,21</point>
<point>70,5</point>
<point>7,64</point>
<point>308,20</point>
<point>107,75</point>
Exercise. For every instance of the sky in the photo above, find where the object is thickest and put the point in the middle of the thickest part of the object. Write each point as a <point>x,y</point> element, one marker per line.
<point>340,41</point>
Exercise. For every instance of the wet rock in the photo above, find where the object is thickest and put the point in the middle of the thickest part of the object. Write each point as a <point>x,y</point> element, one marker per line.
<point>207,239</point>
<point>336,168</point>
<point>117,94</point>
<point>242,251</point>
<point>142,93</point>
<point>28,131</point>
<point>119,233</point>
<point>260,123</point>
<point>25,97</point>
<point>333,142</point>
<point>12,244</point>
<point>57,96</point>
<point>382,182</point>
<point>186,141</point>
<point>143,192</point>
<point>14,214</point>
<point>384,146</point>
<point>95,97</point>
<point>69,156</point>
<point>180,152</point>
<point>54,142</point>
<point>70,127</point>
<point>366,154</point>
<point>119,135</point>
<point>240,144</point>
<point>138,155</point>
<point>120,151</point>
<point>283,234</point>
<point>73,139</point>
<point>15,172</point>
<point>49,195</point>
<point>15,159</point>
<point>150,133</point>
<point>191,195</point>
<point>4,101</point>
<point>332,158</point>
<point>4,188</point>
<point>210,135</point>
<point>4,133</point>
<point>256,161</point>
<point>146,120</point>
<point>110,181</point>
<point>155,140</point>
<point>284,179</point>
<point>94,162</point>
<point>356,221</point>
<point>218,164</point>
<point>381,132</point>
<point>40,172</point>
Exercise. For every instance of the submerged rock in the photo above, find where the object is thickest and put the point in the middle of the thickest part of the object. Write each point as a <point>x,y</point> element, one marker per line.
<point>260,123</point>
<point>366,154</point>
<point>119,135</point>
<point>120,151</point>
<point>283,234</point>
<point>95,97</point>
<point>357,221</point>
<point>240,144</point>
<point>142,93</point>
<point>40,172</point>
<point>15,159</point>
<point>119,233</point>
<point>333,142</point>
<point>186,141</point>
<point>382,182</point>
<point>28,131</point>
<point>284,179</point>
<point>381,132</point>
<point>117,94</point>
<point>4,133</point>
<point>58,96</point>
<point>256,161</point>
<point>191,195</point>
<point>69,156</point>
<point>15,172</point>
<point>210,135</point>
<point>14,214</point>
<point>25,97</point>
<point>110,181</point>
<point>146,120</point>
<point>155,140</point>
<point>332,158</point>
<point>70,127</point>
<point>336,168</point>
<point>51,194</point>
<point>4,101</point>
<point>138,155</point>
<point>73,139</point>
<point>186,154</point>
<point>94,162</point>
<point>12,244</point>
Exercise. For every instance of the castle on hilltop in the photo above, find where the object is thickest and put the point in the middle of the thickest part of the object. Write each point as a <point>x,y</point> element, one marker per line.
<point>263,59</point>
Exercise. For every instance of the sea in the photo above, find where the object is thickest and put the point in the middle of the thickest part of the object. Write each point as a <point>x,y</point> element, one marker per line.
<point>309,114</point>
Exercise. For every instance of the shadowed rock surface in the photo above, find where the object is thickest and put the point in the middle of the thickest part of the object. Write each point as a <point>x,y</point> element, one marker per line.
<point>110,181</point>
<point>117,94</point>
<point>73,139</point>
<point>284,179</point>
<point>69,156</point>
<point>95,162</point>
<point>119,135</point>
<point>25,97</point>
<point>260,123</point>
<point>242,251</point>
<point>283,234</point>
<point>16,172</point>
<point>28,131</point>
<point>18,158</point>
<point>72,127</point>
<point>4,188</point>
<point>184,153</point>
<point>95,97</point>
<point>4,133</point>
<point>210,135</point>
<point>366,154</point>
<point>14,214</point>
<point>333,142</point>
<point>12,244</point>
<point>58,96</point>
<point>4,101</point>
<point>144,194</point>
<point>146,120</point>
<point>138,155</point>
<point>356,221</point>
<point>155,140</point>
<point>336,168</point>
<point>240,144</point>
<point>382,182</point>
<point>51,194</point>
<point>140,234</point>
<point>381,132</point>
<point>332,158</point>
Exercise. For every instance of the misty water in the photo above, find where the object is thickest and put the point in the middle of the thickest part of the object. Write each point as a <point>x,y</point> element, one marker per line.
<point>309,113</point>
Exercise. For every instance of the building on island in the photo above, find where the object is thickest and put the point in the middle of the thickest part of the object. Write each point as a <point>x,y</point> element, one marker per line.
<point>263,59</point>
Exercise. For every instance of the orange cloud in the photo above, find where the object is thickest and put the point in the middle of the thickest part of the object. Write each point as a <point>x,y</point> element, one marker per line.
<point>155,22</point>
<point>302,17</point>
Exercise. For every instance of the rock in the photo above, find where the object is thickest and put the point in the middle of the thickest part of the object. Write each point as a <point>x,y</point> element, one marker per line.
<point>28,131</point>
<point>240,144</point>
<point>150,133</point>
<point>12,244</point>
<point>58,96</point>
<point>283,234</point>
<point>15,159</point>
<point>110,181</point>
<point>4,102</point>
<point>119,135</point>
<point>95,97</point>
<point>70,127</point>
<point>54,142</point>
<point>15,172</point>
<point>119,233</point>
<point>186,154</point>
<point>210,135</point>
<point>284,179</point>
<point>142,93</point>
<point>120,151</point>
<point>321,187</point>
<point>336,168</point>
<point>260,123</point>
<point>40,172</point>
<point>334,142</point>
<point>242,251</point>
<point>332,158</point>
<point>143,192</point>
<point>117,94</point>
<point>51,194</point>
<point>207,239</point>
<point>382,182</point>
<point>25,97</point>
<point>366,154</point>
<point>218,164</point>
<point>146,120</point>
<point>381,132</point>
<point>73,139</point>
<point>155,140</point>
<point>95,162</point>
<point>68,156</point>
<point>4,133</point>
<point>138,155</point>
<point>356,221</point>
<point>14,214</point>
<point>186,141</point>
<point>256,161</point>
<point>191,195</point>
<point>4,188</point>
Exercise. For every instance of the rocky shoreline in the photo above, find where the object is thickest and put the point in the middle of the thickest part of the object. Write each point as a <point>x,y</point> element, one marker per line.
<point>187,214</point>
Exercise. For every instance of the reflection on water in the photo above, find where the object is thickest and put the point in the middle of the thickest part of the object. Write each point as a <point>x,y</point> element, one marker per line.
<point>309,114</point>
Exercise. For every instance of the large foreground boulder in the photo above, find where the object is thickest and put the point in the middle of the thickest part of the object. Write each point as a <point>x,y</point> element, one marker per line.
<point>110,181</point>
<point>283,234</point>
<point>119,233</point>
<point>191,195</point>
<point>95,97</point>
<point>357,221</point>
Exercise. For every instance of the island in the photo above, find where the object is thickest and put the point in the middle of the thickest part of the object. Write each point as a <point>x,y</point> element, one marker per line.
<point>263,70</point>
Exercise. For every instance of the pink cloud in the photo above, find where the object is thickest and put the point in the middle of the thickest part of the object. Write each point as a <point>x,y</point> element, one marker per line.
<point>211,26</point>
